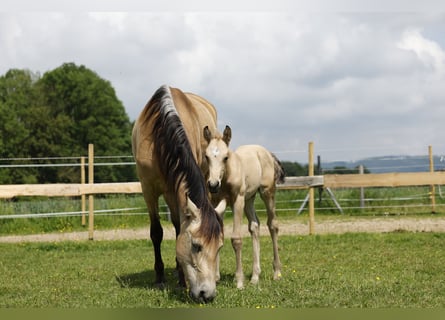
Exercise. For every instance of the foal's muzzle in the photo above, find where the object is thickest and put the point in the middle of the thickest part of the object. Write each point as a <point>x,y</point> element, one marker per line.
<point>214,186</point>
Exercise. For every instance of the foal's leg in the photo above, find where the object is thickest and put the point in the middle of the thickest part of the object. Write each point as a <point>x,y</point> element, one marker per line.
<point>268,196</point>
<point>237,242</point>
<point>254,229</point>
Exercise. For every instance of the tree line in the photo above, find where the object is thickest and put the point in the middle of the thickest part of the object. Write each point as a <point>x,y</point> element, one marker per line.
<point>58,115</point>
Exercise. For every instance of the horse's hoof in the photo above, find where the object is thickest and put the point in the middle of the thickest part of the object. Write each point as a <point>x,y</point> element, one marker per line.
<point>160,285</point>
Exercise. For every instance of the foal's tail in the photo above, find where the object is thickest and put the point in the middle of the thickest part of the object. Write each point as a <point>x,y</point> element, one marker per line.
<point>279,170</point>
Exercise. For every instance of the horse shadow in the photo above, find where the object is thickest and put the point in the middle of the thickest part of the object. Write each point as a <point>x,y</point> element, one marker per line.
<point>141,280</point>
<point>145,280</point>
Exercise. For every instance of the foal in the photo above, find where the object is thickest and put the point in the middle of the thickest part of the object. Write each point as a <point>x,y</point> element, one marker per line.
<point>237,177</point>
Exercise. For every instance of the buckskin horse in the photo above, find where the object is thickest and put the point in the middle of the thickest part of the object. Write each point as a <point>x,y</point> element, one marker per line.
<point>237,177</point>
<point>168,146</point>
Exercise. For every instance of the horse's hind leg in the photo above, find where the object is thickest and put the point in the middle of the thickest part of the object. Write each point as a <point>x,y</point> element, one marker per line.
<point>268,196</point>
<point>254,229</point>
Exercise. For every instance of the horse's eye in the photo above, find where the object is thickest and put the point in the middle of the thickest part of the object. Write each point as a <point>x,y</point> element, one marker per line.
<point>196,247</point>
<point>226,158</point>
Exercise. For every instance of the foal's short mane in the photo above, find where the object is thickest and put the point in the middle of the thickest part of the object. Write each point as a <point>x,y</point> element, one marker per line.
<point>175,158</point>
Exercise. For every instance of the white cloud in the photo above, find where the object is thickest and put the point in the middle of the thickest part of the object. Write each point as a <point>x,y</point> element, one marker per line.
<point>427,51</point>
<point>280,79</point>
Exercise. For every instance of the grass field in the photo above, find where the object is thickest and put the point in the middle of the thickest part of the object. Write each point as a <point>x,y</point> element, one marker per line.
<point>350,270</point>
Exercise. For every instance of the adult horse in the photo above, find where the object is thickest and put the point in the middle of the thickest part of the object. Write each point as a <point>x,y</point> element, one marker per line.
<point>168,146</point>
<point>237,177</point>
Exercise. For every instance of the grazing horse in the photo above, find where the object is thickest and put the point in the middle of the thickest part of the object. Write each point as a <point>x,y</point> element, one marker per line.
<point>168,146</point>
<point>237,177</point>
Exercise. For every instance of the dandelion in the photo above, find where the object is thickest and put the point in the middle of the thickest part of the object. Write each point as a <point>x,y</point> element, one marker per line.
<point>377,278</point>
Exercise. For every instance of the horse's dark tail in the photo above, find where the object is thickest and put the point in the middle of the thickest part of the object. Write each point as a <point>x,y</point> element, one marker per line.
<point>279,170</point>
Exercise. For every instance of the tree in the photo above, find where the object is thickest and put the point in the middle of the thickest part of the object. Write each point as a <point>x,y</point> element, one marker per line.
<point>293,169</point>
<point>58,115</point>
<point>17,97</point>
<point>91,113</point>
<point>344,170</point>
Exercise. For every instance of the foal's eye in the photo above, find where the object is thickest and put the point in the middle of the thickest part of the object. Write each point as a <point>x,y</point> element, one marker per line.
<point>226,158</point>
<point>196,247</point>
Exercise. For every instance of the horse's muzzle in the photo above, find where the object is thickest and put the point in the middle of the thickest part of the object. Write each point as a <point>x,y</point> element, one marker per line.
<point>203,296</point>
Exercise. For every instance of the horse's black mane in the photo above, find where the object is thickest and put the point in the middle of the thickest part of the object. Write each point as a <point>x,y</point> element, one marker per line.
<point>175,158</point>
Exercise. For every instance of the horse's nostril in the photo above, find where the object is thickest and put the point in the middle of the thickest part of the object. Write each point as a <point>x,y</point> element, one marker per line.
<point>204,298</point>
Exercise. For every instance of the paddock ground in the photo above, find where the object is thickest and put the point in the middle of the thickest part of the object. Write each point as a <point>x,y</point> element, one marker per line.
<point>287,227</point>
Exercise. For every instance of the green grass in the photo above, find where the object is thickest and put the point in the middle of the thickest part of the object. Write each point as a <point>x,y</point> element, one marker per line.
<point>350,270</point>
<point>386,201</point>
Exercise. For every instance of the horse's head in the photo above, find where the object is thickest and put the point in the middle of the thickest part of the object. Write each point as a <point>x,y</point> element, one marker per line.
<point>217,154</point>
<point>198,253</point>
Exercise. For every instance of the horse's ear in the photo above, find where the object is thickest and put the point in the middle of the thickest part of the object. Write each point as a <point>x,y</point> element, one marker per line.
<point>192,209</point>
<point>221,207</point>
<point>207,134</point>
<point>227,135</point>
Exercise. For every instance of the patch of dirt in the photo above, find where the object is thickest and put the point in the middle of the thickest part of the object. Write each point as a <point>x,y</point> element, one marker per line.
<point>287,227</point>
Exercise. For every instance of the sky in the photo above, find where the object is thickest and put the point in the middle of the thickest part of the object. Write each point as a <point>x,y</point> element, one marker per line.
<point>357,83</point>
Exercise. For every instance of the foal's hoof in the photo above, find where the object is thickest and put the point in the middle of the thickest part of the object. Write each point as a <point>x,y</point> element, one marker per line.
<point>240,285</point>
<point>277,276</point>
<point>254,280</point>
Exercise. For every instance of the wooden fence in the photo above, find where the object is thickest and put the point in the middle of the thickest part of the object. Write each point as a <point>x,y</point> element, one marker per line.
<point>309,182</point>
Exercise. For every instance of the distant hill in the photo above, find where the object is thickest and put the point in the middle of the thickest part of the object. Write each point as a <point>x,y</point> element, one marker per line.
<point>386,164</point>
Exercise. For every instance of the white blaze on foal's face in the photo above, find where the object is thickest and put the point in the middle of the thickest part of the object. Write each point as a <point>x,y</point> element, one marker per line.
<point>217,154</point>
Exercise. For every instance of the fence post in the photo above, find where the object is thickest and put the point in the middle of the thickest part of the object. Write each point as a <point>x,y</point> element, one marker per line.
<point>362,190</point>
<point>82,197</point>
<point>432,187</point>
<point>90,196</point>
<point>311,189</point>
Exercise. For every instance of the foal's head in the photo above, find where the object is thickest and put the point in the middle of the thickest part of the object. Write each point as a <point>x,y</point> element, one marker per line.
<point>217,154</point>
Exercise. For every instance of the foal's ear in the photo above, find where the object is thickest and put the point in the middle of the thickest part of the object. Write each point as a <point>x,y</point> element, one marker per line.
<point>227,135</point>
<point>207,134</point>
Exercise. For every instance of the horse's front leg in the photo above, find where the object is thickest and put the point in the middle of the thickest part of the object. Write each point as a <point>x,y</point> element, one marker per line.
<point>237,242</point>
<point>181,276</point>
<point>170,199</point>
